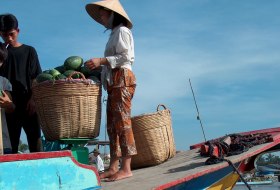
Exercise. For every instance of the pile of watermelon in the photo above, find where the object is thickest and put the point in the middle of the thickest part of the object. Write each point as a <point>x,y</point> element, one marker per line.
<point>71,64</point>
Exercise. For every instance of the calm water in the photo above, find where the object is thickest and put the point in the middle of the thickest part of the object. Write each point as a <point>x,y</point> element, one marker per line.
<point>274,186</point>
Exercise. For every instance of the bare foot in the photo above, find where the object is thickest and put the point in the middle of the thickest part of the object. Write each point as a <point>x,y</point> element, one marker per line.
<point>108,173</point>
<point>121,174</point>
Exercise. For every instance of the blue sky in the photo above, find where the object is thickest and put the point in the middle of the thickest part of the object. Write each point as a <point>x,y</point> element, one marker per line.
<point>229,49</point>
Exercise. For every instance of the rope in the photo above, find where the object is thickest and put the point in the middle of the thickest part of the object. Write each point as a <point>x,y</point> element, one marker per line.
<point>236,170</point>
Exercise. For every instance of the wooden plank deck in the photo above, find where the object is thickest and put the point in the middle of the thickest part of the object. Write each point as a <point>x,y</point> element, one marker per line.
<point>182,167</point>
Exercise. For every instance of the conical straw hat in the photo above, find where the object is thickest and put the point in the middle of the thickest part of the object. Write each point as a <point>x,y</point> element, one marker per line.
<point>113,5</point>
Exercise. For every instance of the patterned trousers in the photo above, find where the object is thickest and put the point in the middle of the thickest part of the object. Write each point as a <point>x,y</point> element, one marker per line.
<point>119,126</point>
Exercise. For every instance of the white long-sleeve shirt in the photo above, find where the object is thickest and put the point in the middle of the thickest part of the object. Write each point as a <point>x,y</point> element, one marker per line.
<point>119,52</point>
<point>99,163</point>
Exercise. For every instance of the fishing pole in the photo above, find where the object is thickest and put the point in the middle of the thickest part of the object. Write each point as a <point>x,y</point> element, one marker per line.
<point>198,117</point>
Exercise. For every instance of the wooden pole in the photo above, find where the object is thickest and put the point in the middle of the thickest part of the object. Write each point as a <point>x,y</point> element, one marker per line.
<point>1,136</point>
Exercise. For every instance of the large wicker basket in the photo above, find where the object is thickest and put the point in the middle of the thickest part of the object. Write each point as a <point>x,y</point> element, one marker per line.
<point>153,137</point>
<point>68,108</point>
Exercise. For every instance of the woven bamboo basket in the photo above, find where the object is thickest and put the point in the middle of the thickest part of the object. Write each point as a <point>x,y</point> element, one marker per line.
<point>68,108</point>
<point>153,137</point>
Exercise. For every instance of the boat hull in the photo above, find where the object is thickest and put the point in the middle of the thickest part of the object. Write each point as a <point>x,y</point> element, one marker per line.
<point>46,171</point>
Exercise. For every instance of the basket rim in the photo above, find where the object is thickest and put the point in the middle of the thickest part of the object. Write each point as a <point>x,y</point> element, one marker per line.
<point>65,81</point>
<point>153,113</point>
<point>150,114</point>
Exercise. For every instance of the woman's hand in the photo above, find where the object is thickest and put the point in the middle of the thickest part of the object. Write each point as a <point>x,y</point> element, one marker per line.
<point>6,102</point>
<point>93,63</point>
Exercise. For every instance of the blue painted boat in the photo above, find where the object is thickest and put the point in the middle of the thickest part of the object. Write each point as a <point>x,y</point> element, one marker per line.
<point>46,171</point>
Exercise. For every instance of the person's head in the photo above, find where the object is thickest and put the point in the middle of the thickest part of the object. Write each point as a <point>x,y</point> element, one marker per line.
<point>3,53</point>
<point>96,152</point>
<point>105,16</point>
<point>111,19</point>
<point>109,13</point>
<point>9,28</point>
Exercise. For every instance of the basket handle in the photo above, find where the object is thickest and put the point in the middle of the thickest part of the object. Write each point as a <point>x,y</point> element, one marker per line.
<point>76,72</point>
<point>161,106</point>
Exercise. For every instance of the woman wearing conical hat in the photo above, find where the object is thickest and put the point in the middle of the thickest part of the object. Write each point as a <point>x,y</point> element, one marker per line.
<point>119,81</point>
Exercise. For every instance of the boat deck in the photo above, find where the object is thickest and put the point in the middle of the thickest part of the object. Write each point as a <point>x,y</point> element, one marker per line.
<point>182,167</point>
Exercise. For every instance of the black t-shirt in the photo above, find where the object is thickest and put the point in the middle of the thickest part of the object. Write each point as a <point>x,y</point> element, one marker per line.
<point>21,67</point>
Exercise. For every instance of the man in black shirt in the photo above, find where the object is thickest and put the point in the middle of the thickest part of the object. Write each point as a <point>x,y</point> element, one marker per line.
<point>21,68</point>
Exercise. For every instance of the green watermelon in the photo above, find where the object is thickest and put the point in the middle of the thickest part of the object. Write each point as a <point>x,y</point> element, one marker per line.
<point>73,63</point>
<point>96,73</point>
<point>54,72</point>
<point>60,76</point>
<point>85,71</point>
<point>68,73</point>
<point>44,77</point>
<point>60,68</point>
